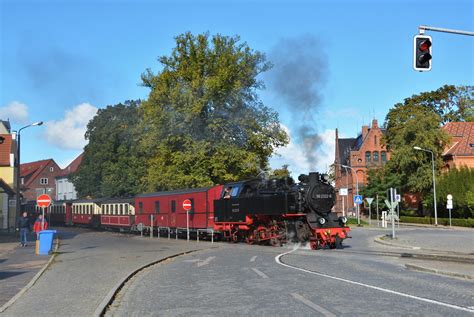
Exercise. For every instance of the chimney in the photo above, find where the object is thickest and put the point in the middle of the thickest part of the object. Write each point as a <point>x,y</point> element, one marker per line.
<point>375,124</point>
<point>365,131</point>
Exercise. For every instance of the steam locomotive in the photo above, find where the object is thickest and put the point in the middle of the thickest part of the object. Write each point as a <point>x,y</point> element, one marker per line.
<point>278,210</point>
<point>257,211</point>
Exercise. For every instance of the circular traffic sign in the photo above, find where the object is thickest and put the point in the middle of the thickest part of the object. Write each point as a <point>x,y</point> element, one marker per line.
<point>187,204</point>
<point>43,201</point>
<point>450,197</point>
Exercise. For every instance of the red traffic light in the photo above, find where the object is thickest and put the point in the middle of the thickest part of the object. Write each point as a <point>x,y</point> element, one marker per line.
<point>425,45</point>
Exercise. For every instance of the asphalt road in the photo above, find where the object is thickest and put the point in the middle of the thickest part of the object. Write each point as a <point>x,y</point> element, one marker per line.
<point>236,280</point>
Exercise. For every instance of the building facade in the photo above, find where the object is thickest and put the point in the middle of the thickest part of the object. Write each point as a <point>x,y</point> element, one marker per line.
<point>460,151</point>
<point>64,187</point>
<point>353,158</point>
<point>8,150</point>
<point>38,178</point>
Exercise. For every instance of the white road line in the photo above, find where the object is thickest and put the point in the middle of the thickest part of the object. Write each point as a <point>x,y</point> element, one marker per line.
<point>427,300</point>
<point>206,261</point>
<point>260,273</point>
<point>253,258</point>
<point>312,305</point>
<point>192,261</point>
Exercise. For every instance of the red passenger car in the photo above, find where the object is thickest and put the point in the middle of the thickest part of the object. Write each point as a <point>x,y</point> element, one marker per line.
<point>86,212</point>
<point>118,213</point>
<point>166,208</point>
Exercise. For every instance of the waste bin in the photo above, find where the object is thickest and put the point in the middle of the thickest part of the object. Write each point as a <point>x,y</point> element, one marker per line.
<point>46,241</point>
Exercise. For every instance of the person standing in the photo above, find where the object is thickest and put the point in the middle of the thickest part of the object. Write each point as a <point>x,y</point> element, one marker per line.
<point>24,226</point>
<point>40,225</point>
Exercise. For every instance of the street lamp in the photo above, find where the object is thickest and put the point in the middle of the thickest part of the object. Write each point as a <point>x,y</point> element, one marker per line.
<point>18,202</point>
<point>357,190</point>
<point>434,181</point>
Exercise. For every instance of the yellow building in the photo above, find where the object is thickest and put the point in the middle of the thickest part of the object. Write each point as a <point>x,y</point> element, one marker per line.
<point>7,176</point>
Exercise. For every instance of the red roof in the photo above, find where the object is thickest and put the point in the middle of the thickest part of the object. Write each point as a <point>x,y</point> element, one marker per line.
<point>5,149</point>
<point>462,138</point>
<point>33,167</point>
<point>72,167</point>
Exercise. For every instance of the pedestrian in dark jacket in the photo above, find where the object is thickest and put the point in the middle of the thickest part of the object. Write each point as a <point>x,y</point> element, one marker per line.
<point>24,226</point>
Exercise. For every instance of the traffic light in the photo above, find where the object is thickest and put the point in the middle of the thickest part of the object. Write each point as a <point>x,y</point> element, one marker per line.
<point>422,53</point>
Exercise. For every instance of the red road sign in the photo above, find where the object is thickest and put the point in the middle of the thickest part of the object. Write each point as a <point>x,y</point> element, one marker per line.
<point>187,205</point>
<point>43,201</point>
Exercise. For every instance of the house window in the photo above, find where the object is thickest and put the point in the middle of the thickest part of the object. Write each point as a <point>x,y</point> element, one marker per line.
<point>157,207</point>
<point>43,181</point>
<point>376,156</point>
<point>384,156</point>
<point>51,169</point>
<point>173,206</point>
<point>367,157</point>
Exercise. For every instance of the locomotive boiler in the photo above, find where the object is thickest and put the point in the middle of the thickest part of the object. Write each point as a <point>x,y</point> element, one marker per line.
<point>278,210</point>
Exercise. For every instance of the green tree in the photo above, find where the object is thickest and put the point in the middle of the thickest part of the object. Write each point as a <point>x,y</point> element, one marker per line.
<point>378,182</point>
<point>280,172</point>
<point>204,121</point>
<point>112,164</point>
<point>414,123</point>
<point>460,184</point>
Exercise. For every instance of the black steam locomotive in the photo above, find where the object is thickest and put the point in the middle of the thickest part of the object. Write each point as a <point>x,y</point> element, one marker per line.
<point>276,211</point>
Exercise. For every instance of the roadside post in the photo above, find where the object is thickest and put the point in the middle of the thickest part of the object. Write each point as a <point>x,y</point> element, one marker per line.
<point>140,228</point>
<point>398,199</point>
<point>449,206</point>
<point>377,207</point>
<point>392,204</point>
<point>43,201</point>
<point>151,226</point>
<point>343,192</point>
<point>358,200</point>
<point>187,205</point>
<point>369,201</point>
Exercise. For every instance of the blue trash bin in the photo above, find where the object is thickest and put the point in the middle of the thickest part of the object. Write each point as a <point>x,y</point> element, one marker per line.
<point>46,241</point>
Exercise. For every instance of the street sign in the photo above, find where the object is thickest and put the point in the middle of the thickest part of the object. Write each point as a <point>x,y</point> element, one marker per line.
<point>343,191</point>
<point>358,199</point>
<point>391,205</point>
<point>369,200</point>
<point>140,227</point>
<point>398,198</point>
<point>43,201</point>
<point>449,204</point>
<point>187,204</point>
<point>450,197</point>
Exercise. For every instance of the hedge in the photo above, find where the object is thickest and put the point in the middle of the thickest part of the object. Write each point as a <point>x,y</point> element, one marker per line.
<point>441,221</point>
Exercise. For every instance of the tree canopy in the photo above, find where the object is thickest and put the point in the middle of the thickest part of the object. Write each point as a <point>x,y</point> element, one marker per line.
<point>204,121</point>
<point>112,164</point>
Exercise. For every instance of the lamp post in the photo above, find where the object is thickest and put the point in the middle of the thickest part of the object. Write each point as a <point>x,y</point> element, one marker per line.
<point>18,202</point>
<point>357,190</point>
<point>434,181</point>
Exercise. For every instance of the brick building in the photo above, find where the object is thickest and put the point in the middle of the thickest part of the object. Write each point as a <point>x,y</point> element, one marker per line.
<point>360,154</point>
<point>460,151</point>
<point>38,178</point>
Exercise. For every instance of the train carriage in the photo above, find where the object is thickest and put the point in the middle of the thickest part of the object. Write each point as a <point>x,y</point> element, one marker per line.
<point>87,212</point>
<point>118,213</point>
<point>59,213</point>
<point>166,208</point>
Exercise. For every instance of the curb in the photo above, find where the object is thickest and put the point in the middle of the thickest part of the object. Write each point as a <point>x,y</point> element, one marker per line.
<point>109,298</point>
<point>453,256</point>
<point>33,280</point>
<point>435,271</point>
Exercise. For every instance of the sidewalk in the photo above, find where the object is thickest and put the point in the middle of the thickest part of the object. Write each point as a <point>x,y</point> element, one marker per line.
<point>18,266</point>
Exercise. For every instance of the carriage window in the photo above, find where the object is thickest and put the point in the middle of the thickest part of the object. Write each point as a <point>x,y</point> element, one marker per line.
<point>173,206</point>
<point>121,209</point>
<point>140,207</point>
<point>157,207</point>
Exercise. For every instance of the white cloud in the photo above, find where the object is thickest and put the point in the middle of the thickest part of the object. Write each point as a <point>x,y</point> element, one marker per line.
<point>292,154</point>
<point>15,111</point>
<point>68,133</point>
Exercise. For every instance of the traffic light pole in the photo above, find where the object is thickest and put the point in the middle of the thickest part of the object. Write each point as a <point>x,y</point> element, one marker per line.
<point>423,28</point>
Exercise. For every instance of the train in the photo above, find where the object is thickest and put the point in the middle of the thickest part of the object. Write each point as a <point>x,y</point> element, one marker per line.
<point>271,211</point>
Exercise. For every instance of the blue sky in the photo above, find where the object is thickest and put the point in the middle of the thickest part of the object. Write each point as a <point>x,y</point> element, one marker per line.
<point>60,60</point>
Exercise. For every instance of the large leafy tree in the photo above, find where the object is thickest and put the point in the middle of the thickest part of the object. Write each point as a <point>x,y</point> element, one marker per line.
<point>204,121</point>
<point>112,164</point>
<point>379,181</point>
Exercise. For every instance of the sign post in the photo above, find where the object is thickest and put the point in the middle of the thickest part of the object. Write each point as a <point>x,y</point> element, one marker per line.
<point>392,214</point>
<point>449,206</point>
<point>343,192</point>
<point>43,201</point>
<point>358,200</point>
<point>187,205</point>
<point>398,199</point>
<point>369,201</point>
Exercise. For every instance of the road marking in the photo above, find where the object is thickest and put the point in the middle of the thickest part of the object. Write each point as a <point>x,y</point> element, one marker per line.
<point>206,261</point>
<point>427,300</point>
<point>312,305</point>
<point>260,273</point>
<point>192,261</point>
<point>253,258</point>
